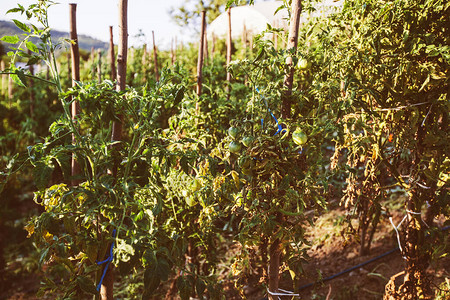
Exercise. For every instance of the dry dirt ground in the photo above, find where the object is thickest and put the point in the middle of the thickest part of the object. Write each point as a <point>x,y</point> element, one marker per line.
<point>330,254</point>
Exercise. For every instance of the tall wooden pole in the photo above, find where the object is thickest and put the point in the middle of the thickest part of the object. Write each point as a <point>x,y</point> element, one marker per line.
<point>31,88</point>
<point>229,54</point>
<point>275,250</point>
<point>3,77</point>
<point>107,287</point>
<point>201,49</point>
<point>292,45</point>
<point>155,54</point>
<point>75,53</point>
<point>112,55</point>
<point>10,90</point>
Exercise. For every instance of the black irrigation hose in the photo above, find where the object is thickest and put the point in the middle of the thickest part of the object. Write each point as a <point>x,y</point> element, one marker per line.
<point>350,269</point>
<point>355,267</point>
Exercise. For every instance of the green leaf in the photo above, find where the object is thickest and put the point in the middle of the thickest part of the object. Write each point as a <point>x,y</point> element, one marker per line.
<point>17,80</point>
<point>13,10</point>
<point>31,46</point>
<point>42,174</point>
<point>22,26</point>
<point>151,282</point>
<point>200,287</point>
<point>86,285</point>
<point>43,255</point>
<point>185,286</point>
<point>10,39</point>
<point>19,77</point>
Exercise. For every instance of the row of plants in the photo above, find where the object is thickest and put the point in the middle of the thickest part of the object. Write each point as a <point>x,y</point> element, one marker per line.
<point>224,189</point>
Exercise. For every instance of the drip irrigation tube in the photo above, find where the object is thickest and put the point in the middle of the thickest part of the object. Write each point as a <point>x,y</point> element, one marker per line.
<point>355,267</point>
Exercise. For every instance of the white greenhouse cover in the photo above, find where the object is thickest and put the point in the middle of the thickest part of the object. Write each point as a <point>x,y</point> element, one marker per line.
<point>256,17</point>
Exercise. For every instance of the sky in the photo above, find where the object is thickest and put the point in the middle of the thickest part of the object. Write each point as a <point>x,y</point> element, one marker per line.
<point>95,16</point>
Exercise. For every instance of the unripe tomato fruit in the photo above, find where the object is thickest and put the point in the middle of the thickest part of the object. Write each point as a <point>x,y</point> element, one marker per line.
<point>196,185</point>
<point>303,64</point>
<point>233,132</point>
<point>247,141</point>
<point>234,147</point>
<point>299,137</point>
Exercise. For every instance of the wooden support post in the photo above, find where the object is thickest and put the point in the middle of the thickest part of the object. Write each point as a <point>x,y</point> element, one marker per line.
<point>121,61</point>
<point>292,46</point>
<point>107,287</point>
<point>201,49</point>
<point>31,89</point>
<point>10,90</point>
<point>229,44</point>
<point>99,66</point>
<point>276,249</point>
<point>155,55</point>
<point>75,52</point>
<point>112,56</point>
<point>2,77</point>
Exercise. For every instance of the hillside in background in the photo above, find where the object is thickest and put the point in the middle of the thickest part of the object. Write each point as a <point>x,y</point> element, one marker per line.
<point>85,42</point>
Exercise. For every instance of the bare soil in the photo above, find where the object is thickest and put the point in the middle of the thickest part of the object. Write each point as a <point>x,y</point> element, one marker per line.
<point>331,253</point>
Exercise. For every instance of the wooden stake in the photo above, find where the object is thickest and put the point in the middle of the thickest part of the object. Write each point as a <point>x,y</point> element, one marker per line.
<point>10,90</point>
<point>276,246</point>
<point>31,88</point>
<point>155,54</point>
<point>3,77</point>
<point>292,45</point>
<point>201,49</point>
<point>228,89</point>
<point>75,52</point>
<point>112,56</point>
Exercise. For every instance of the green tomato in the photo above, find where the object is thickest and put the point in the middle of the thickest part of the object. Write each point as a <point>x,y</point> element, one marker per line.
<point>234,147</point>
<point>247,141</point>
<point>299,137</point>
<point>244,162</point>
<point>196,185</point>
<point>190,201</point>
<point>303,64</point>
<point>233,132</point>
